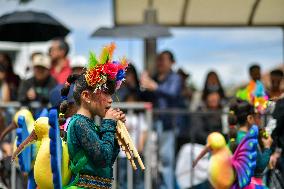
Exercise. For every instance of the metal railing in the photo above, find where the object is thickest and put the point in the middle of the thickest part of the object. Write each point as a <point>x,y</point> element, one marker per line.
<point>147,109</point>
<point>150,115</point>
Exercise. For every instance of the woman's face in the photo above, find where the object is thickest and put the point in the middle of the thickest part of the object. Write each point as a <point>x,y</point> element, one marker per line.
<point>100,103</point>
<point>212,80</point>
<point>254,119</point>
<point>257,119</point>
<point>130,79</point>
<point>213,101</point>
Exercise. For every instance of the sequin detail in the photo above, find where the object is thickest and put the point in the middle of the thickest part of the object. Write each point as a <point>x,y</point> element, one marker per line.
<point>89,181</point>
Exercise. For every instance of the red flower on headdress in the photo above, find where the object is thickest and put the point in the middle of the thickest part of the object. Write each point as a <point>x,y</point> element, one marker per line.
<point>93,77</point>
<point>99,71</point>
<point>111,70</point>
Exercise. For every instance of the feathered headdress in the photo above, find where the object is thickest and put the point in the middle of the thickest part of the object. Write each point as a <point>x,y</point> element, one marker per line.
<point>255,94</point>
<point>103,69</point>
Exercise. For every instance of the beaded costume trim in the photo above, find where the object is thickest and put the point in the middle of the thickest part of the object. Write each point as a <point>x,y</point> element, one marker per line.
<point>95,182</point>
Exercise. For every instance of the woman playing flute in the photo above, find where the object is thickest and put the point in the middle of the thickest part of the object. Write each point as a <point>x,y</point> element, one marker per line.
<point>93,148</point>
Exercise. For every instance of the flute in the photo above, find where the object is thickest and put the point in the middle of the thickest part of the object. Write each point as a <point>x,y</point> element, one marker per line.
<point>127,145</point>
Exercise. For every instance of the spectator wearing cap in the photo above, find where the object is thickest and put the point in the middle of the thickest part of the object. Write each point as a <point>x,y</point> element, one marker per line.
<point>37,87</point>
<point>60,68</point>
<point>78,64</point>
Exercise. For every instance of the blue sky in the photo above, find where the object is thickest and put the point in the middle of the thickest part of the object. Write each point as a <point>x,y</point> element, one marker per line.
<point>228,51</point>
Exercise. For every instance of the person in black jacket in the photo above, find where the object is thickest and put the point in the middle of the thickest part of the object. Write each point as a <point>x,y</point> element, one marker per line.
<point>37,87</point>
<point>209,121</point>
<point>277,158</point>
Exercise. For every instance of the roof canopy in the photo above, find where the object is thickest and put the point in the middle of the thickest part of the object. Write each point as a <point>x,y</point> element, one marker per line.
<point>212,13</point>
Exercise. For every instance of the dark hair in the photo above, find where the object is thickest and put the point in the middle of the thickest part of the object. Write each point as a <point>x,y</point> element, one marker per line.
<point>80,86</point>
<point>169,53</point>
<point>7,63</point>
<point>63,45</point>
<point>11,78</point>
<point>132,69</point>
<point>6,57</point>
<point>252,67</point>
<point>277,72</point>
<point>64,93</point>
<point>4,68</point>
<point>182,73</point>
<point>239,110</point>
<point>206,90</point>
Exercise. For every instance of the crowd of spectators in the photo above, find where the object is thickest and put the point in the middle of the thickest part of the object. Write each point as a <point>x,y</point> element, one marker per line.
<point>166,88</point>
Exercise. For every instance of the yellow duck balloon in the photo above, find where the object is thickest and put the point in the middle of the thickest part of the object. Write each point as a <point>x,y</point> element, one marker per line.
<point>42,166</point>
<point>224,167</point>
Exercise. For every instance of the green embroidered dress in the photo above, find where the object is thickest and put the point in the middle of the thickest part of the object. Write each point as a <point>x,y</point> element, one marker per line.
<point>92,151</point>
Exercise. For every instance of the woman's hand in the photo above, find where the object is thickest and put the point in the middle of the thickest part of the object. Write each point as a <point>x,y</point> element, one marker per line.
<point>267,142</point>
<point>122,115</point>
<point>147,83</point>
<point>115,114</point>
<point>273,160</point>
<point>112,114</point>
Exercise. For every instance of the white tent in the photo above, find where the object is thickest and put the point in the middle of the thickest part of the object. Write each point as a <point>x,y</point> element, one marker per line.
<point>129,15</point>
<point>219,13</point>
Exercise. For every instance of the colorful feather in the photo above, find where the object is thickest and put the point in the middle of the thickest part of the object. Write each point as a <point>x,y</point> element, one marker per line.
<point>243,94</point>
<point>92,61</point>
<point>244,158</point>
<point>260,98</point>
<point>124,62</point>
<point>255,94</point>
<point>111,49</point>
<point>104,55</point>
